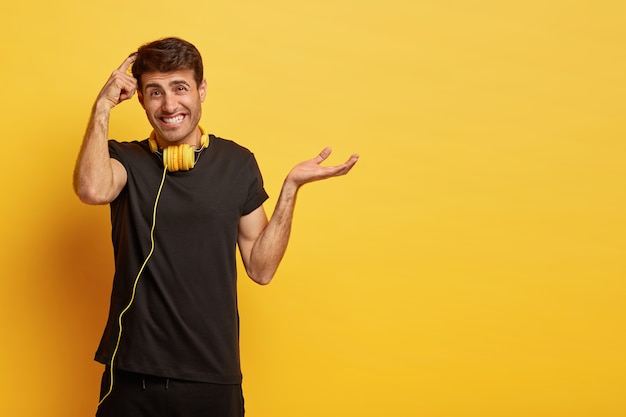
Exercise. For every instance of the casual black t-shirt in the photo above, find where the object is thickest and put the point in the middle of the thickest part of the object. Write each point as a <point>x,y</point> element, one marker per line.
<point>183,322</point>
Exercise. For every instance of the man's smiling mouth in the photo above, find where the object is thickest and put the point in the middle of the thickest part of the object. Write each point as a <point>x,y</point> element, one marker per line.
<point>173,120</point>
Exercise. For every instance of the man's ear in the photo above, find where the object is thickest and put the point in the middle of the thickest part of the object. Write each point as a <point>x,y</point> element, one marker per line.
<point>202,90</point>
<point>140,98</point>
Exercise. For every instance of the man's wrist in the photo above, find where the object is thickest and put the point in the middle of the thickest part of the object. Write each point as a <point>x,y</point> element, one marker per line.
<point>290,187</point>
<point>102,106</point>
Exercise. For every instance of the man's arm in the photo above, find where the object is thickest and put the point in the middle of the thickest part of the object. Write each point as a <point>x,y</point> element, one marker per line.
<point>262,244</point>
<point>98,179</point>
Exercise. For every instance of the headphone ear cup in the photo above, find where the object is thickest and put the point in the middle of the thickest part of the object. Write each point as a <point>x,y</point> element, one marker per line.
<point>170,158</point>
<point>188,157</point>
<point>179,158</point>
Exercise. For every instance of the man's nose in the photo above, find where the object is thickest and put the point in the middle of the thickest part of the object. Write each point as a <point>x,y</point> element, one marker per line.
<point>170,104</point>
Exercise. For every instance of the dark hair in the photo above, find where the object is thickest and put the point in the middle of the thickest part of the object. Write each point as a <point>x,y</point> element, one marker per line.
<point>167,55</point>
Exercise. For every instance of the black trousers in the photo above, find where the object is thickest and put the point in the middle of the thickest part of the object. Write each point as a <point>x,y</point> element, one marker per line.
<point>137,395</point>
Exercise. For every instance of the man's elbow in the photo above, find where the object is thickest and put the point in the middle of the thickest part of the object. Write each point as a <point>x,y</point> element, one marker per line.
<point>261,278</point>
<point>91,195</point>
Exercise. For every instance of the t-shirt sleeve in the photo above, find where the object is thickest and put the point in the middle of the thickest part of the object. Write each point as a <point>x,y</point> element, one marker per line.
<point>256,192</point>
<point>114,150</point>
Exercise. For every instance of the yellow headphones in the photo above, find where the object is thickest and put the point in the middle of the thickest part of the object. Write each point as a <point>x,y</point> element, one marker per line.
<point>179,157</point>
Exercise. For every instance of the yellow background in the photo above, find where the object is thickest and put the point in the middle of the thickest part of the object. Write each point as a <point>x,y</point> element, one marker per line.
<point>472,264</point>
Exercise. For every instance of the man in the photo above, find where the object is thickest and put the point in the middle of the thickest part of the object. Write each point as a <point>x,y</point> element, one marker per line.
<point>181,202</point>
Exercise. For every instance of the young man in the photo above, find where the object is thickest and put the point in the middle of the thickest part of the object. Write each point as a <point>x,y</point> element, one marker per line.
<point>181,202</point>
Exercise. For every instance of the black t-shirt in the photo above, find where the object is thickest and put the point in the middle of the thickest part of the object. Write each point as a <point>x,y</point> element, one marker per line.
<point>183,322</point>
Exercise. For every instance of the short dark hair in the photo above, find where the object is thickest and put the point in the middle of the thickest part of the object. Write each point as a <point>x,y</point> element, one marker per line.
<point>167,55</point>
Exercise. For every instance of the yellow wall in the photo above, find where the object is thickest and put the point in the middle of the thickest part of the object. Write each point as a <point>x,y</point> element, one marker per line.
<point>473,262</point>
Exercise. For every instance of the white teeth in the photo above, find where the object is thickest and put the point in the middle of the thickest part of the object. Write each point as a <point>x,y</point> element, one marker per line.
<point>176,119</point>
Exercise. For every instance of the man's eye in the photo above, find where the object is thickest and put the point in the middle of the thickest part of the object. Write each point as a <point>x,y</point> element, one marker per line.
<point>155,93</point>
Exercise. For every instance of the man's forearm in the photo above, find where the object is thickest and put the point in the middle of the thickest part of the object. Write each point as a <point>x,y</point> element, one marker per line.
<point>270,247</point>
<point>93,174</point>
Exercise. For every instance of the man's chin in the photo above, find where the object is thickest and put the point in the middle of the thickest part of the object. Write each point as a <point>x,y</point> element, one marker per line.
<point>171,136</point>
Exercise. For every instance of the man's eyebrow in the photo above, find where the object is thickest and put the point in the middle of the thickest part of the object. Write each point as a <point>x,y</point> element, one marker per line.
<point>179,82</point>
<point>171,84</point>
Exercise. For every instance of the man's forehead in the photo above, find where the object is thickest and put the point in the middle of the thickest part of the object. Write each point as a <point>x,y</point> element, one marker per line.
<point>164,79</point>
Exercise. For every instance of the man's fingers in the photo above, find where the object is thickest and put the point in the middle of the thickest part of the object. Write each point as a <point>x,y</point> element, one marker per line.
<point>353,158</point>
<point>344,168</point>
<point>128,62</point>
<point>323,155</point>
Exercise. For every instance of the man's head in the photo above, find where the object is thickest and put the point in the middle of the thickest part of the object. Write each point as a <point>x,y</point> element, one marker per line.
<point>168,55</point>
<point>171,89</point>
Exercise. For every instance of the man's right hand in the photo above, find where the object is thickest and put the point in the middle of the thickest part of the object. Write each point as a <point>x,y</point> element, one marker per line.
<point>120,86</point>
